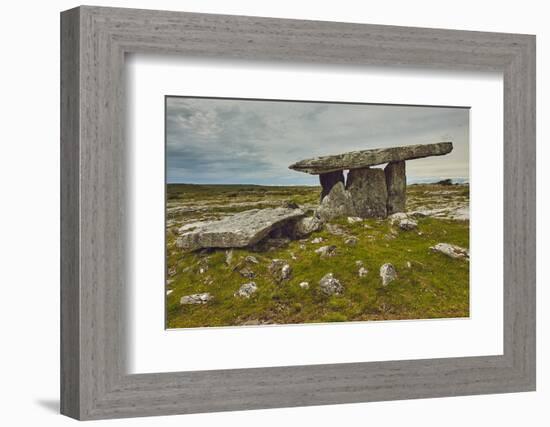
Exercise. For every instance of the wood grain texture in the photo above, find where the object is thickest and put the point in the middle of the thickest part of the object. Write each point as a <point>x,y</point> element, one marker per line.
<point>94,382</point>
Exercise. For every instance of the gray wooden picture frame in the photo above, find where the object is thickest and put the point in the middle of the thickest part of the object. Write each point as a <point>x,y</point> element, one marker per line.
<point>94,381</point>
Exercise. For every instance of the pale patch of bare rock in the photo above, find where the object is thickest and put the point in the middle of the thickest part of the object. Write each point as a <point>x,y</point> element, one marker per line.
<point>304,285</point>
<point>246,290</point>
<point>326,251</point>
<point>387,274</point>
<point>329,285</point>
<point>362,272</point>
<point>169,291</point>
<point>280,270</point>
<point>196,299</point>
<point>452,251</point>
<point>354,219</point>
<point>239,230</point>
<point>172,271</point>
<point>359,263</point>
<point>317,240</point>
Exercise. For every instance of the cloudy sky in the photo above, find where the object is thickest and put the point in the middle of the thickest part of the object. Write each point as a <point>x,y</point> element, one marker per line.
<point>227,141</point>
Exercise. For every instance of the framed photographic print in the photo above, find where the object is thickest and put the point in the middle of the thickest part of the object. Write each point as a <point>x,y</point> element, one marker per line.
<point>262,213</point>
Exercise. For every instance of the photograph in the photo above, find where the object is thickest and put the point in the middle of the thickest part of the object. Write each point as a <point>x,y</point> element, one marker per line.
<point>292,212</point>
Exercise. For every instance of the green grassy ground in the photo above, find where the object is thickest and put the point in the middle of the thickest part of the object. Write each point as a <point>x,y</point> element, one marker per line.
<point>429,285</point>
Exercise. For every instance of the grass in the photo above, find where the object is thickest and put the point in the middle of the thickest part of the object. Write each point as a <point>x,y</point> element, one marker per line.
<point>434,286</point>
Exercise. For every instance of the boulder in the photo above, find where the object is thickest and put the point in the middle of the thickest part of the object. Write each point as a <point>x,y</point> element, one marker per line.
<point>242,229</point>
<point>367,190</point>
<point>452,251</point>
<point>305,226</point>
<point>336,204</point>
<point>304,285</point>
<point>280,270</point>
<point>366,158</point>
<point>329,285</point>
<point>396,184</point>
<point>326,251</point>
<point>387,274</point>
<point>246,290</point>
<point>408,224</point>
<point>196,299</point>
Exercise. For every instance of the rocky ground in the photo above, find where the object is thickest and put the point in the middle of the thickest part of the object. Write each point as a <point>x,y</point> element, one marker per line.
<point>409,266</point>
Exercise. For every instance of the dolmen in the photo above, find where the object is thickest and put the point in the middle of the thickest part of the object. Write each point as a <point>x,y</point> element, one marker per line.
<point>368,192</point>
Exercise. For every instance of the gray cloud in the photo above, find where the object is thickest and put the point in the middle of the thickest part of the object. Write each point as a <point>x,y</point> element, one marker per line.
<point>247,141</point>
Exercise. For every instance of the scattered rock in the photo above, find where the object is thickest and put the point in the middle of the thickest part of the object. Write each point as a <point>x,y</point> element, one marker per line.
<point>452,251</point>
<point>203,269</point>
<point>280,270</point>
<point>293,256</point>
<point>305,226</point>
<point>326,251</point>
<point>304,285</point>
<point>196,299</point>
<point>407,224</point>
<point>169,282</point>
<point>247,272</point>
<point>359,263</point>
<point>246,290</point>
<point>169,291</point>
<point>409,265</point>
<point>172,271</point>
<point>235,231</point>
<point>251,259</point>
<point>329,285</point>
<point>351,241</point>
<point>317,240</point>
<point>397,217</point>
<point>363,272</point>
<point>354,219</point>
<point>387,274</point>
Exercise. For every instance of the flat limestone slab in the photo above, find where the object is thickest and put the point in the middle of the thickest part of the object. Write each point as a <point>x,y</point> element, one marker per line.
<point>365,158</point>
<point>235,231</point>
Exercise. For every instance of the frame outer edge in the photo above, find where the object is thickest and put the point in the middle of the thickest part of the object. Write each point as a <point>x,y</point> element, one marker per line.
<point>70,396</point>
<point>90,362</point>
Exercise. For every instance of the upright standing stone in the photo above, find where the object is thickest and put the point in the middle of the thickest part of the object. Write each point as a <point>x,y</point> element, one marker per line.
<point>328,180</point>
<point>367,188</point>
<point>396,183</point>
<point>337,203</point>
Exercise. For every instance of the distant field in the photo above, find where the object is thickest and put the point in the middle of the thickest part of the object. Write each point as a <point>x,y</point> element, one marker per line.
<point>429,285</point>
